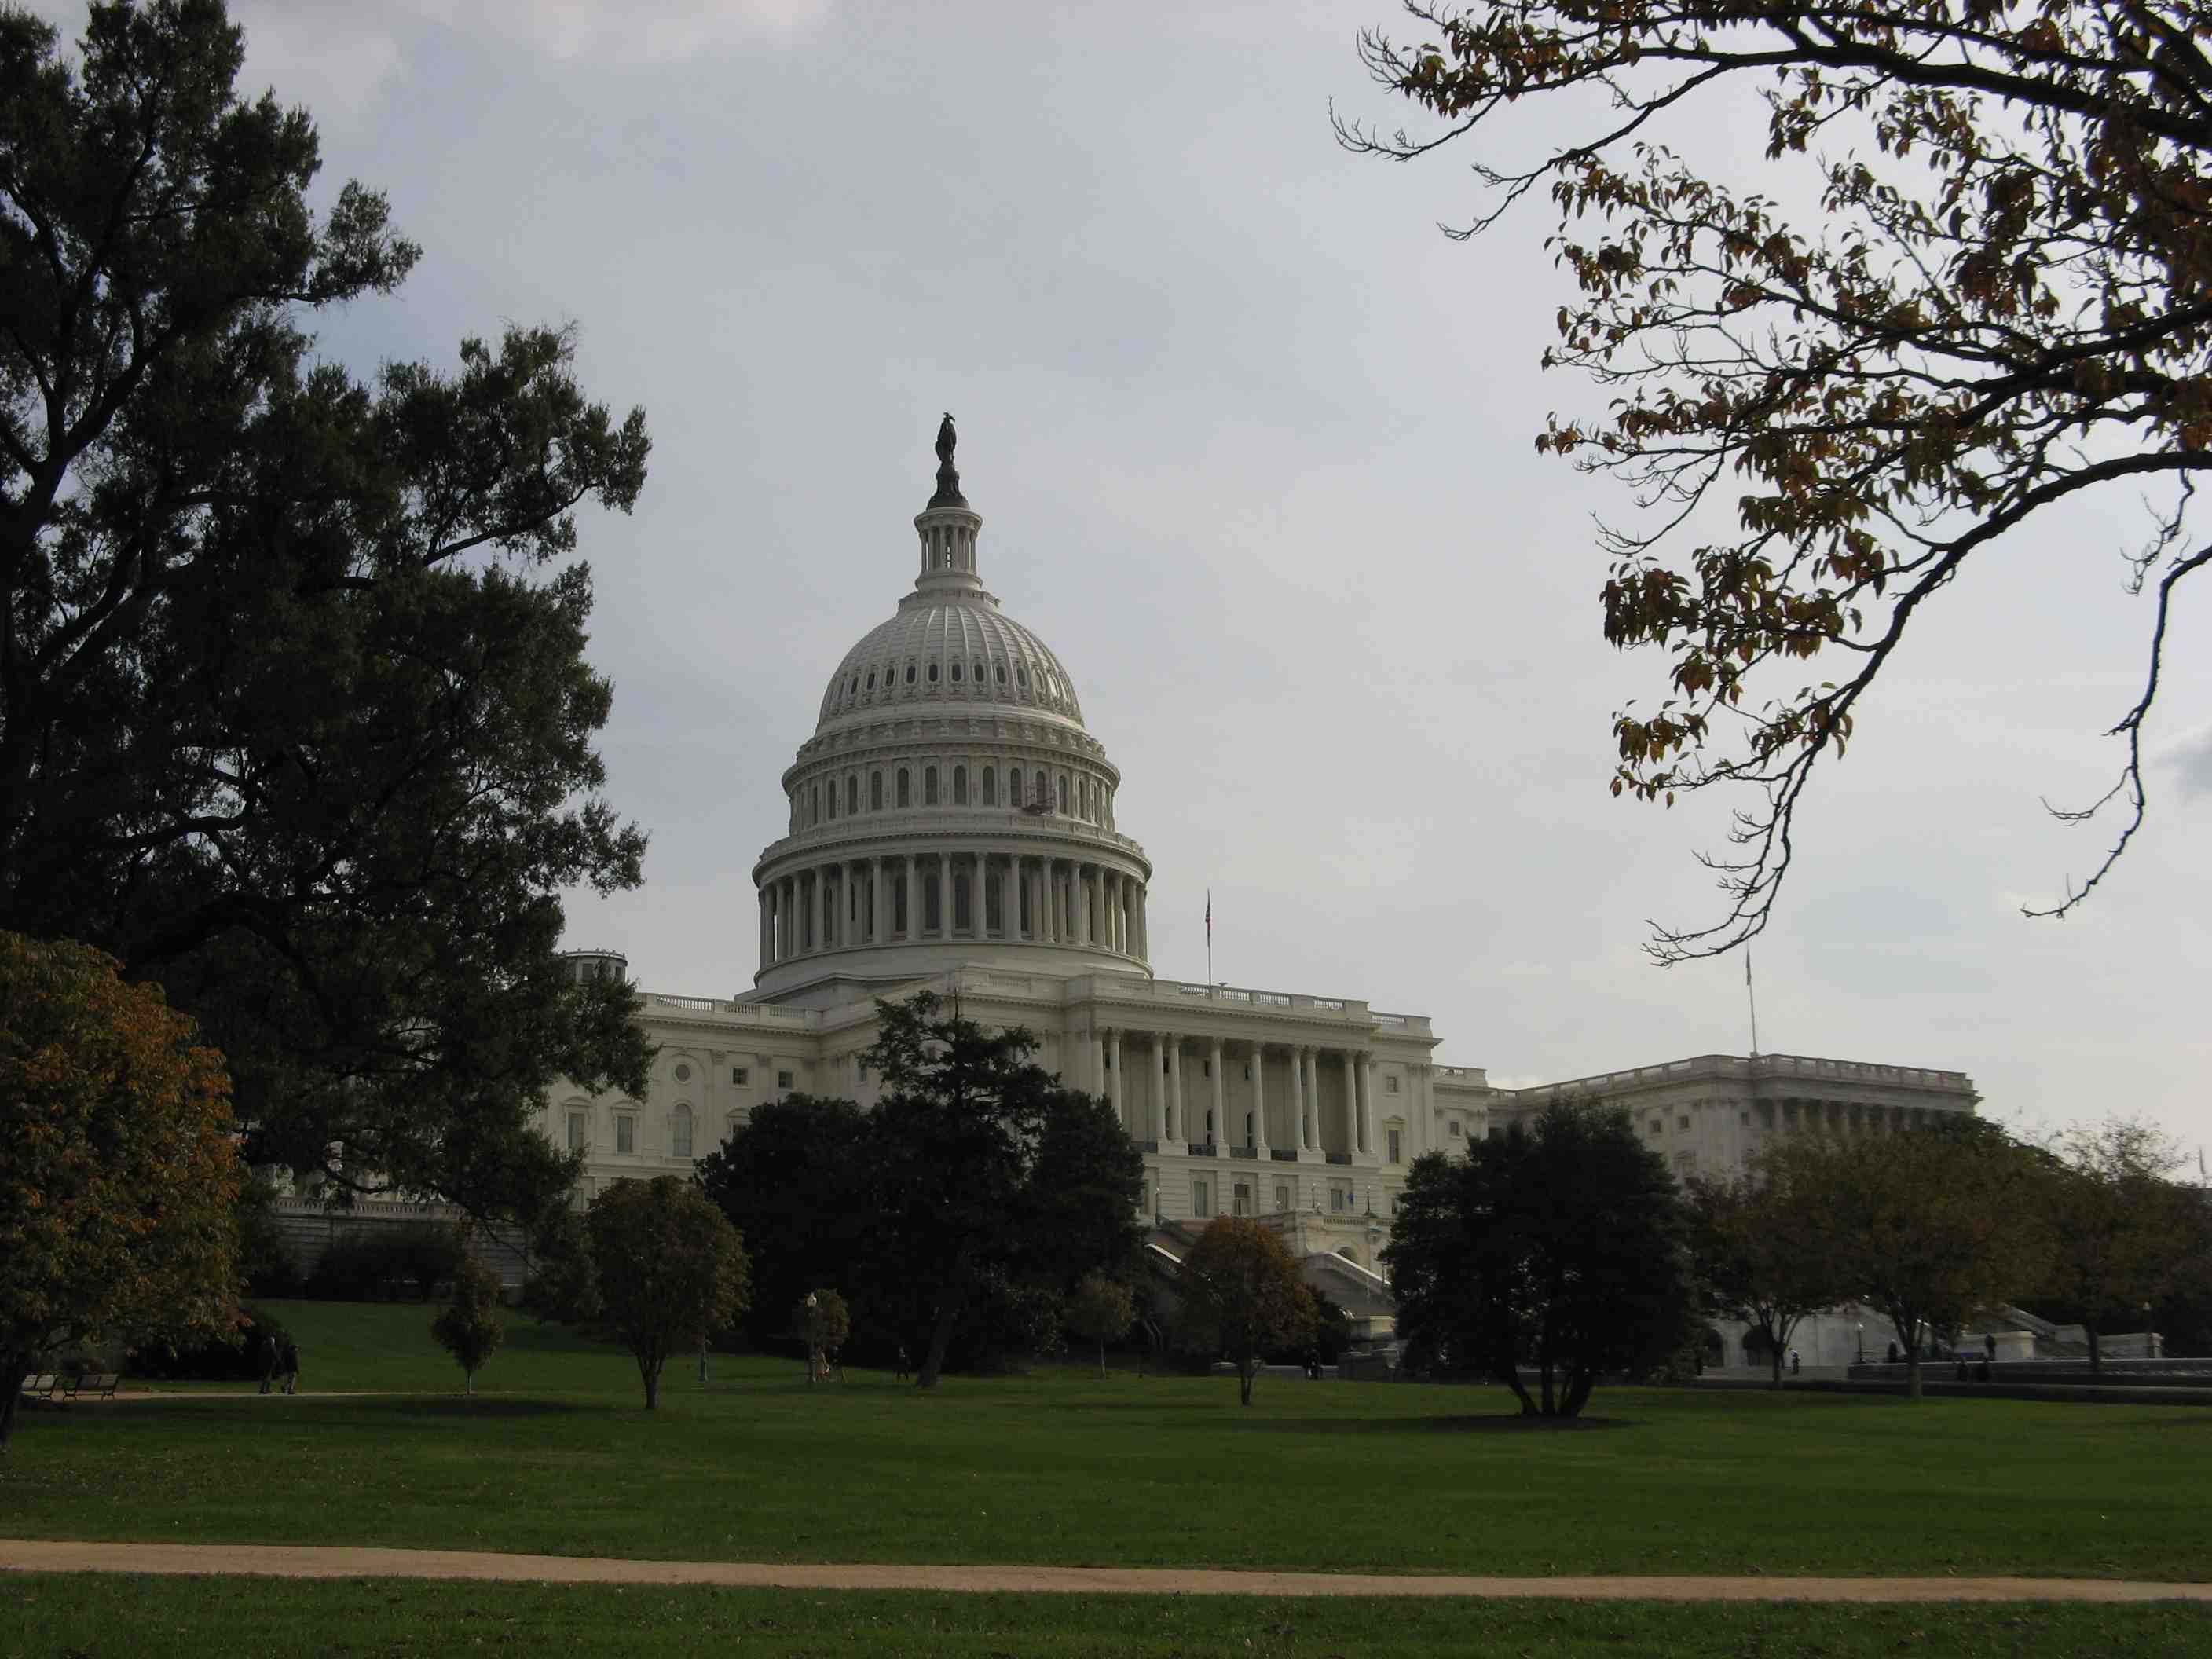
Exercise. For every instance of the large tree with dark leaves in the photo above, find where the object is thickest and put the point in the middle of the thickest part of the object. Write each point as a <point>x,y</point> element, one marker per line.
<point>294,716</point>
<point>985,1170</point>
<point>1558,1246</point>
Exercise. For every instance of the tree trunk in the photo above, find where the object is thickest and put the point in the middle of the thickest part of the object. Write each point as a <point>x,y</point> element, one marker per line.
<point>1511,1378</point>
<point>650,1371</point>
<point>13,1367</point>
<point>1102,1358</point>
<point>1912,1370</point>
<point>471,1389</point>
<point>941,1339</point>
<point>1774,1358</point>
<point>1551,1400</point>
<point>1244,1371</point>
<point>2096,1354</point>
<point>1579,1384</point>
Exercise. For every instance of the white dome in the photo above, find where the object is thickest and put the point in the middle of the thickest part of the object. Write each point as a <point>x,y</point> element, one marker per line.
<point>950,648</point>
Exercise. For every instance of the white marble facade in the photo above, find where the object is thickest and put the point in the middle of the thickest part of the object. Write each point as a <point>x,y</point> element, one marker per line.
<point>951,827</point>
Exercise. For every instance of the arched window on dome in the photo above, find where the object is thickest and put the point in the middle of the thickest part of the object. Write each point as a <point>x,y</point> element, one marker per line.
<point>979,671</point>
<point>875,792</point>
<point>1002,673</point>
<point>679,1133</point>
<point>814,802</point>
<point>871,679</point>
<point>959,786</point>
<point>909,673</point>
<point>929,786</point>
<point>852,793</point>
<point>933,673</point>
<point>956,673</point>
<point>905,793</point>
<point>1022,676</point>
<point>990,787</point>
<point>1043,795</point>
<point>832,813</point>
<point>853,686</point>
<point>1063,794</point>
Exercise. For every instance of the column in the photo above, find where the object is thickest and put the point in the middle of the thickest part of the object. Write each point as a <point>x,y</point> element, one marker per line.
<point>1220,1096</point>
<point>1152,1087</point>
<point>1298,1099</point>
<point>1106,880</point>
<point>765,914</point>
<point>876,929</point>
<point>1355,1123</point>
<point>1313,1100</point>
<point>825,887</point>
<point>1082,906</point>
<point>913,897</point>
<point>944,896</point>
<point>1173,1116</point>
<point>1258,1080</point>
<point>1010,900</point>
<point>1116,1089</point>
<point>1098,1061</point>
<point>1258,1137</point>
<point>1367,1103</point>
<point>1144,926</point>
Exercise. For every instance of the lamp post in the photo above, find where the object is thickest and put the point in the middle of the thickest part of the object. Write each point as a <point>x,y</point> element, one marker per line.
<point>1862,1342</point>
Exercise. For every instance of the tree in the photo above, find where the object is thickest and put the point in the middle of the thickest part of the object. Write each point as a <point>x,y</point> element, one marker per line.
<point>117,1170</point>
<point>1927,1227</point>
<point>1760,1255</point>
<point>564,1285</point>
<point>1100,1309</point>
<point>1241,1294</point>
<point>1559,1245</point>
<point>823,1322</point>
<point>294,717</point>
<point>792,1180</point>
<point>1994,313</point>
<point>470,1327</point>
<point>671,1269</point>
<point>2125,1235</point>
<point>983,1169</point>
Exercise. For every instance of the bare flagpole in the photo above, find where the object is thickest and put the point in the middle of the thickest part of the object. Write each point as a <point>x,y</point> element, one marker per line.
<point>1751,994</point>
<point>1209,939</point>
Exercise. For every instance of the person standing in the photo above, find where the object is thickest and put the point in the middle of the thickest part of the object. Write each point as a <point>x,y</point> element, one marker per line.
<point>268,1362</point>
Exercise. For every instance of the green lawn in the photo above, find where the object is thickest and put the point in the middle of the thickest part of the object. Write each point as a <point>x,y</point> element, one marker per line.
<point>558,1457</point>
<point>225,1618</point>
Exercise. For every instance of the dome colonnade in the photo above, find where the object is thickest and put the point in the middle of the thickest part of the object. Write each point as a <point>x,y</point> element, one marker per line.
<point>949,807</point>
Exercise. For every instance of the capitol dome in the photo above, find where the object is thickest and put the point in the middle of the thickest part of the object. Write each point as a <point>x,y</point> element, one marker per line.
<point>944,648</point>
<point>951,809</point>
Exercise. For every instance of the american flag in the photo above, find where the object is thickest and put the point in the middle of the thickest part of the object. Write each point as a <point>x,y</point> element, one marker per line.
<point>1209,915</point>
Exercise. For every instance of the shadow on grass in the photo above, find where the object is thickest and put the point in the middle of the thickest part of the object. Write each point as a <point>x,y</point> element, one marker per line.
<point>1487,1422</point>
<point>468,1406</point>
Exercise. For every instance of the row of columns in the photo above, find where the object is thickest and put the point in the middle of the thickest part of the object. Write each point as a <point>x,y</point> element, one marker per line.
<point>847,903</point>
<point>1164,1051</point>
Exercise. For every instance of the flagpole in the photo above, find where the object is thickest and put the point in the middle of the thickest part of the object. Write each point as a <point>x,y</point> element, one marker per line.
<point>1751,994</point>
<point>1209,939</point>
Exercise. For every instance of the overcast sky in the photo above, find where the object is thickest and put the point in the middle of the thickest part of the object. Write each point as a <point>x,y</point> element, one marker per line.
<point>1252,443</point>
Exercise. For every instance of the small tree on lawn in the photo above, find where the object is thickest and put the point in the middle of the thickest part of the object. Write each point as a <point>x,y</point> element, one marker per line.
<point>671,1269</point>
<point>119,1174</point>
<point>1241,1295</point>
<point>1929,1225</point>
<point>1759,1256</point>
<point>470,1327</point>
<point>824,1321</point>
<point>2123,1231</point>
<point>1102,1310</point>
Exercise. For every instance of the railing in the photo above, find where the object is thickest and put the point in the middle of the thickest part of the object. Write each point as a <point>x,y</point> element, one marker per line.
<point>1350,1009</point>
<point>938,823</point>
<point>1754,1066</point>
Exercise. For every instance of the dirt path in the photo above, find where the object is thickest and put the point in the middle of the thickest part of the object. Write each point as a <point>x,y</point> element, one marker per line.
<point>292,1561</point>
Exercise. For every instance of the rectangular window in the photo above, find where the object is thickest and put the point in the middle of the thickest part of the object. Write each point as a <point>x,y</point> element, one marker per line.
<point>1453,1127</point>
<point>1394,1147</point>
<point>1242,1200</point>
<point>625,1135</point>
<point>1390,1085</point>
<point>783,1080</point>
<point>736,1074</point>
<point>1686,1121</point>
<point>575,1132</point>
<point>1199,1199</point>
<point>1339,1199</point>
<point>1282,1194</point>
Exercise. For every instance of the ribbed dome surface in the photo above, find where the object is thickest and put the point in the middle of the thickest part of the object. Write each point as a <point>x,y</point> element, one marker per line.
<point>950,648</point>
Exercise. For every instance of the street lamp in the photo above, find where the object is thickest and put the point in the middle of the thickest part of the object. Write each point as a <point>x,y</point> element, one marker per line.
<point>1862,1342</point>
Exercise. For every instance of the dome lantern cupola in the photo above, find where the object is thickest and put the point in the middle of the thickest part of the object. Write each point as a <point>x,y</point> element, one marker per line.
<point>948,527</point>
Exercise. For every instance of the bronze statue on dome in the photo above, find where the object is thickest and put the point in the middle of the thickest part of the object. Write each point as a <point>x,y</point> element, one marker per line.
<point>948,476</point>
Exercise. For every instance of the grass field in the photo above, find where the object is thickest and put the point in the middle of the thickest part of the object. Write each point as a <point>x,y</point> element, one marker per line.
<point>555,1455</point>
<point>226,1618</point>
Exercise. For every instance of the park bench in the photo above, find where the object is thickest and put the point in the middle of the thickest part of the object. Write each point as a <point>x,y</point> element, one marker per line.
<point>100,1385</point>
<point>41,1387</point>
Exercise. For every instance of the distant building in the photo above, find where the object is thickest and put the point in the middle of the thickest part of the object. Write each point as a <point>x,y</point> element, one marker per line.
<point>952,828</point>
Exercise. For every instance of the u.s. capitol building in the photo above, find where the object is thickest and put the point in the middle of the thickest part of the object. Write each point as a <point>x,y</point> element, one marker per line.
<point>952,827</point>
